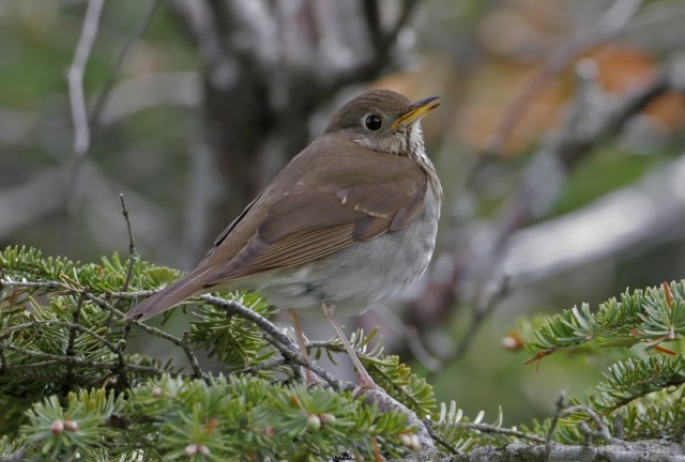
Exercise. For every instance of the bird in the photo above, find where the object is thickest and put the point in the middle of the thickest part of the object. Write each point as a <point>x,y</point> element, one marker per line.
<point>346,225</point>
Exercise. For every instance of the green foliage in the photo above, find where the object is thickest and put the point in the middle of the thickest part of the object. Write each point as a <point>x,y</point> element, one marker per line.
<point>220,419</point>
<point>69,385</point>
<point>393,376</point>
<point>633,378</point>
<point>658,415</point>
<point>56,430</point>
<point>644,317</point>
<point>644,383</point>
<point>233,340</point>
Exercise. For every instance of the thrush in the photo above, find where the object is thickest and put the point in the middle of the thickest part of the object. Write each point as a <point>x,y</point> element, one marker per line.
<point>348,224</point>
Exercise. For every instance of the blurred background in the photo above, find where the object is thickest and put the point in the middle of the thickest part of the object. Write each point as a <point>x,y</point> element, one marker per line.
<point>559,144</point>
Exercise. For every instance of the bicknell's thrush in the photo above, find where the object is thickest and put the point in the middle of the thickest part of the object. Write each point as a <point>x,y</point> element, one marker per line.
<point>348,223</point>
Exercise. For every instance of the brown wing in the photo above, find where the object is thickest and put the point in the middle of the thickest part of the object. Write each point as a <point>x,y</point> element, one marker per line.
<point>312,219</point>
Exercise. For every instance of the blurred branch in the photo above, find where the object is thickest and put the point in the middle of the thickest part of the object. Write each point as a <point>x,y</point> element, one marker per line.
<point>654,206</point>
<point>590,121</point>
<point>79,111</point>
<point>607,26</point>
<point>85,124</point>
<point>373,21</point>
<point>592,118</point>
<point>382,43</point>
<point>246,65</point>
<point>77,98</point>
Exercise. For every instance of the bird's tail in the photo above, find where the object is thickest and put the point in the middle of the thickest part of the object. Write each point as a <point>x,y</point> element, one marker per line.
<point>184,288</point>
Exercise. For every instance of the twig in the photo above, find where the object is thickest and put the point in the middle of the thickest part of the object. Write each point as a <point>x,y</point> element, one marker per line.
<point>602,431</point>
<point>559,409</point>
<point>77,327</point>
<point>130,295</point>
<point>266,365</point>
<point>54,285</point>
<point>122,367</point>
<point>192,359</point>
<point>283,342</point>
<point>132,253</point>
<point>440,440</point>
<point>72,337</point>
<point>78,362</point>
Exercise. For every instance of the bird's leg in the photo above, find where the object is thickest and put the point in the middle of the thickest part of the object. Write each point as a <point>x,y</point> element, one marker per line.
<point>309,375</point>
<point>365,380</point>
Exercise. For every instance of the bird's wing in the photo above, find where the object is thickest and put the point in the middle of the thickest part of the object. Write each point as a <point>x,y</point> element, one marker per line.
<point>313,219</point>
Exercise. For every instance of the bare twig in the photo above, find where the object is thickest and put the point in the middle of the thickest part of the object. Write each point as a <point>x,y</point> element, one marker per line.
<point>132,253</point>
<point>78,327</point>
<point>192,359</point>
<point>560,405</point>
<point>266,365</point>
<point>72,337</point>
<point>78,362</point>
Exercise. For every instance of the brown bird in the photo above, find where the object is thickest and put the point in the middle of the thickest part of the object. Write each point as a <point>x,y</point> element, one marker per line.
<point>348,223</point>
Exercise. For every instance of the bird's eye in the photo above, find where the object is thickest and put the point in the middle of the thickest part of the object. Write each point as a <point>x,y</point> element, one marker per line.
<point>373,122</point>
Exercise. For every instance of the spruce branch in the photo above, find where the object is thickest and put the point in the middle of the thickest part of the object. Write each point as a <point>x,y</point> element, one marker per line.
<point>63,331</point>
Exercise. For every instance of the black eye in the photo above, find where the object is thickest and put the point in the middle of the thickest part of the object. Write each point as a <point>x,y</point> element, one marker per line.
<point>373,123</point>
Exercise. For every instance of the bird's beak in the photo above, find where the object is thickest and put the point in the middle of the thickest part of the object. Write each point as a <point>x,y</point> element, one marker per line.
<point>416,111</point>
